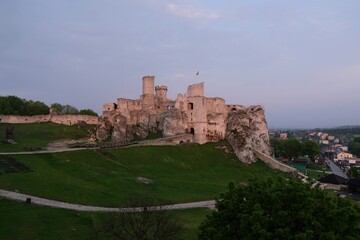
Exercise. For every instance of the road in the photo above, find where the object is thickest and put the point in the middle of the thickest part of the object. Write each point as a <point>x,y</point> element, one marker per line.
<point>335,169</point>
<point>85,208</point>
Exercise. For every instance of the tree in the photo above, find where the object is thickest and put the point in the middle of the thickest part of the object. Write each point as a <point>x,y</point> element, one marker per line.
<point>36,108</point>
<point>87,112</point>
<point>12,105</point>
<point>141,223</point>
<point>57,107</point>
<point>281,209</point>
<point>276,147</point>
<point>291,148</point>
<point>354,146</point>
<point>310,148</point>
<point>64,109</point>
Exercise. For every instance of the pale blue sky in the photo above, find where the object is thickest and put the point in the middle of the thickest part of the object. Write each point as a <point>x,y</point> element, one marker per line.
<point>300,59</point>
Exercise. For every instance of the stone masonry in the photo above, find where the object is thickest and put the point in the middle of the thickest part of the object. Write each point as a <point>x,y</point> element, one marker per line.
<point>208,119</point>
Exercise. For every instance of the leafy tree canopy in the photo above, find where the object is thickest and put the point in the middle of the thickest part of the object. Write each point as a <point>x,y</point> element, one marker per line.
<point>12,105</point>
<point>354,146</point>
<point>141,223</point>
<point>310,148</point>
<point>87,112</point>
<point>293,148</point>
<point>281,209</point>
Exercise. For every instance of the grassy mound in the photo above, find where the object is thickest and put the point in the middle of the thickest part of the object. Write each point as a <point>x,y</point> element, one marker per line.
<point>38,135</point>
<point>108,177</point>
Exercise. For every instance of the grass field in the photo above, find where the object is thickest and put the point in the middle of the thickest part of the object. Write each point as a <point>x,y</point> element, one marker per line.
<point>38,135</point>
<point>21,221</point>
<point>108,177</point>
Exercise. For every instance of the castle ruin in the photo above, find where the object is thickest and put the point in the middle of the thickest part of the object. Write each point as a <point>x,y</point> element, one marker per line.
<point>208,119</point>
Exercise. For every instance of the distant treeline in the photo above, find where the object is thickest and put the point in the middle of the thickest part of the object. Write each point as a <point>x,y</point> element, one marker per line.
<point>355,130</point>
<point>12,105</point>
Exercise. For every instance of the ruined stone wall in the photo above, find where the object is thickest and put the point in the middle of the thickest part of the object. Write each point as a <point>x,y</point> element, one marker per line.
<point>197,122</point>
<point>60,119</point>
<point>148,101</point>
<point>74,119</point>
<point>208,119</point>
<point>216,105</point>
<point>217,113</point>
<point>161,93</point>
<point>195,90</point>
<point>272,163</point>
<point>24,119</point>
<point>181,102</point>
<point>125,106</point>
<point>109,106</point>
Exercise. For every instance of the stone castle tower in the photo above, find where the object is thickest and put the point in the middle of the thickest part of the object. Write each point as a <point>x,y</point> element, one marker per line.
<point>205,119</point>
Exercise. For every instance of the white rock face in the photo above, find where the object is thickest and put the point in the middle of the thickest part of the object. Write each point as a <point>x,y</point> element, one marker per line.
<point>208,119</point>
<point>247,130</point>
<point>119,132</point>
<point>174,123</point>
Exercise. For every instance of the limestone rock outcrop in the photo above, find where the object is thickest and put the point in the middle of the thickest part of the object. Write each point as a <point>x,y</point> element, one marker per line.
<point>119,131</point>
<point>103,129</point>
<point>207,119</point>
<point>247,130</point>
<point>173,122</point>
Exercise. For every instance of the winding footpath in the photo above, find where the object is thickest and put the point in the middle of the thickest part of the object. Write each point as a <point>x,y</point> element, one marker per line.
<point>78,207</point>
<point>85,208</point>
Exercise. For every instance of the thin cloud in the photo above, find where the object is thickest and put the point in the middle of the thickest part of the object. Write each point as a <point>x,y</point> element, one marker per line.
<point>191,12</point>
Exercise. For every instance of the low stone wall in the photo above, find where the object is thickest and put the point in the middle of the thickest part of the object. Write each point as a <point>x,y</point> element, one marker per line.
<point>59,119</point>
<point>173,140</point>
<point>273,163</point>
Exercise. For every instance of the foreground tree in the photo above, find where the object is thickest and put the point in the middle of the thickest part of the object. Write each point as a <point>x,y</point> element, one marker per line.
<point>311,148</point>
<point>281,209</point>
<point>141,223</point>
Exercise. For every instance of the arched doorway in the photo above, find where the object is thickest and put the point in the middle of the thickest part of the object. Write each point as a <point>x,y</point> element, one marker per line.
<point>192,131</point>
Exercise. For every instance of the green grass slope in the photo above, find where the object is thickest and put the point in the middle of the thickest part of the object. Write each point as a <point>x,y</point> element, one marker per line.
<point>27,222</point>
<point>108,177</point>
<point>38,135</point>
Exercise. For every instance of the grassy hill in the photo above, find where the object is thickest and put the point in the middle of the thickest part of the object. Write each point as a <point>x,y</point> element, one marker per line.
<point>27,222</point>
<point>107,177</point>
<point>38,135</point>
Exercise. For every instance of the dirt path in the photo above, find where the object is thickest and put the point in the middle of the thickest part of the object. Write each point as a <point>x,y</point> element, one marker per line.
<point>78,207</point>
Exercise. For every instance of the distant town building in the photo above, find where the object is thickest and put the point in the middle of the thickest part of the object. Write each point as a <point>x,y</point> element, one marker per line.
<point>325,142</point>
<point>344,155</point>
<point>324,136</point>
<point>330,138</point>
<point>283,135</point>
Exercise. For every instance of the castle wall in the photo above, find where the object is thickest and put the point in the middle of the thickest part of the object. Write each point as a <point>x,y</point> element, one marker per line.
<point>217,112</point>
<point>161,93</point>
<point>125,106</point>
<point>206,118</point>
<point>148,101</point>
<point>195,90</point>
<point>74,119</point>
<point>109,106</point>
<point>59,119</point>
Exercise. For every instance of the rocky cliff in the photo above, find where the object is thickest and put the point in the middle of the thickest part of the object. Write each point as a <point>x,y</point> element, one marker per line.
<point>247,130</point>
